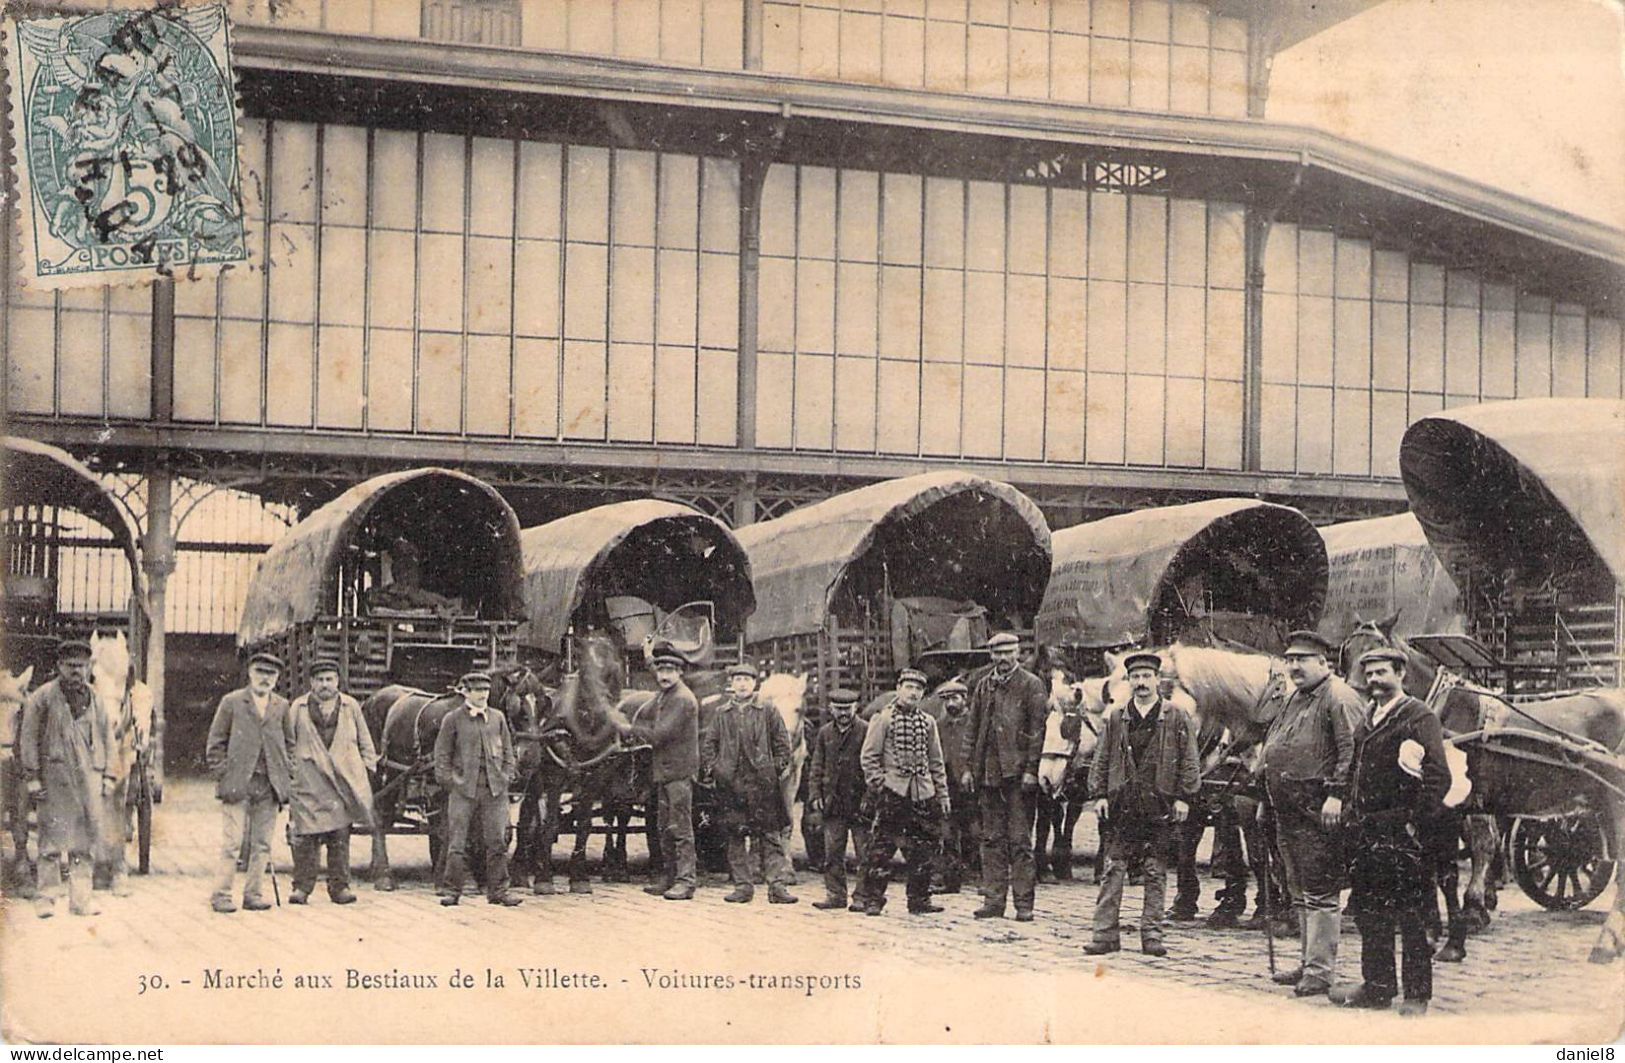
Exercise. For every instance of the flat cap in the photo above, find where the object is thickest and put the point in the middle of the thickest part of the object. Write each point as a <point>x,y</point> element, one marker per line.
<point>1003,641</point>
<point>664,652</point>
<point>1384,653</point>
<point>475,679</point>
<point>72,649</point>
<point>269,660</point>
<point>911,675</point>
<point>1307,643</point>
<point>843,696</point>
<point>1142,659</point>
<point>952,686</point>
<point>744,668</point>
<point>323,664</point>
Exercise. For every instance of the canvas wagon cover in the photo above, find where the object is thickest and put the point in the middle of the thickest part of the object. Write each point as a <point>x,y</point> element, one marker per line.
<point>573,560</point>
<point>1382,567</point>
<point>298,574</point>
<point>1110,574</point>
<point>800,560</point>
<point>39,474</point>
<point>1535,485</point>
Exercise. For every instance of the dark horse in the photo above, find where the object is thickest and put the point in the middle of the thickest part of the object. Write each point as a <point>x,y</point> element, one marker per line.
<point>405,722</point>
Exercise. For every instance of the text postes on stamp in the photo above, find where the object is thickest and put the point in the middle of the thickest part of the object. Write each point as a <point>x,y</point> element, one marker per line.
<point>125,127</point>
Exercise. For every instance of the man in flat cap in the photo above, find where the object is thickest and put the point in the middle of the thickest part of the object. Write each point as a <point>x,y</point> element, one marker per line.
<point>248,754</point>
<point>1144,776</point>
<point>671,725</point>
<point>961,845</point>
<point>1305,764</point>
<point>332,754</point>
<point>746,751</point>
<point>835,790</point>
<point>62,748</point>
<point>474,762</point>
<point>904,772</point>
<point>1396,790</point>
<point>1003,740</point>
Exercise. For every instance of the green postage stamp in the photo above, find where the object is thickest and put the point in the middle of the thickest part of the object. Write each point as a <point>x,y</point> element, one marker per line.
<point>125,131</point>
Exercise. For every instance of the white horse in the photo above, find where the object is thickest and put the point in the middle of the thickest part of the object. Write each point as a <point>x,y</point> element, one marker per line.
<point>787,694</point>
<point>128,703</point>
<point>13,794</point>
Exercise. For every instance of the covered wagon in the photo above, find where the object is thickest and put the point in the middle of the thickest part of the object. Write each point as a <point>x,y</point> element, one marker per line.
<point>904,572</point>
<point>411,577</point>
<point>1232,570</point>
<point>1383,568</point>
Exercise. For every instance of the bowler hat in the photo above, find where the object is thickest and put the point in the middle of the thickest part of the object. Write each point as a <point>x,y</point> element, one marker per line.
<point>1309,643</point>
<point>72,649</point>
<point>323,664</point>
<point>1142,659</point>
<point>843,696</point>
<point>1383,653</point>
<point>1003,641</point>
<point>268,660</point>
<point>744,668</point>
<point>911,675</point>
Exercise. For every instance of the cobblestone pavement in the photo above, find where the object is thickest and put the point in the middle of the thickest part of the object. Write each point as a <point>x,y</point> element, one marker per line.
<point>897,977</point>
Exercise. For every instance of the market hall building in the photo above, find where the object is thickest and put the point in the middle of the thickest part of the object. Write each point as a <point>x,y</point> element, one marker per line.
<point>748,254</point>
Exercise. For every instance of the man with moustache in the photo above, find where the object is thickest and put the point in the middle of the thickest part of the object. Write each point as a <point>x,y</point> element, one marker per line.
<point>835,790</point>
<point>673,731</point>
<point>1004,738</point>
<point>904,773</point>
<point>746,752</point>
<point>960,856</point>
<point>474,763</point>
<point>1144,776</point>
<point>249,756</point>
<point>332,754</point>
<point>1305,766</point>
<point>1396,785</point>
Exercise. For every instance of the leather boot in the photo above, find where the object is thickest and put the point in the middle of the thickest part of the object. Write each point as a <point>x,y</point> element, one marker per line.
<point>81,890</point>
<point>48,898</point>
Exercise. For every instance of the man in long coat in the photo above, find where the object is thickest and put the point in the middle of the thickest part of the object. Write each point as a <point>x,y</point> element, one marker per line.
<point>1003,740</point>
<point>961,848</point>
<point>835,792</point>
<point>474,763</point>
<point>332,754</point>
<point>673,730</point>
<point>247,753</point>
<point>62,749</point>
<point>746,752</point>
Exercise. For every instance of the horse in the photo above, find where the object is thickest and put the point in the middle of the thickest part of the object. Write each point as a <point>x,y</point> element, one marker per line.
<point>1420,669</point>
<point>1070,737</point>
<point>128,703</point>
<point>13,794</point>
<point>404,723</point>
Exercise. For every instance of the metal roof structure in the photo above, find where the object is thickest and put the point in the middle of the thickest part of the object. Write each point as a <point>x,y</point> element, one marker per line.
<point>40,474</point>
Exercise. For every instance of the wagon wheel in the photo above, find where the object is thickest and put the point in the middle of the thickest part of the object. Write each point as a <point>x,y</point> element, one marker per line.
<point>143,826</point>
<point>1559,862</point>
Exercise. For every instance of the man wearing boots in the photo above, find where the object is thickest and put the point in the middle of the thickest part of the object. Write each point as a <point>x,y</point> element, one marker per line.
<point>1305,766</point>
<point>1396,785</point>
<point>474,763</point>
<point>746,752</point>
<point>62,749</point>
<point>332,754</point>
<point>248,755</point>
<point>673,729</point>
<point>1003,740</point>
<point>961,847</point>
<point>1144,777</point>
<point>903,770</point>
<point>835,792</point>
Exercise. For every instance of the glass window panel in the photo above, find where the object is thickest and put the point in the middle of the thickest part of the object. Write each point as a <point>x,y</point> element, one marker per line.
<point>1147,417</point>
<point>1314,430</point>
<point>440,382</point>
<point>719,205</point>
<point>1151,18</point>
<point>860,48</point>
<point>241,365</point>
<point>1023,428</point>
<point>1030,14</point>
<point>943,317</point>
<point>1028,224</point>
<point>1069,68</point>
<point>903,61</point>
<point>29,360</point>
<point>1024,339</point>
<point>80,344</point>
<point>251,151</point>
<point>1315,261</point>
<point>1281,258</point>
<point>899,400</point>
<point>990,12</point>
<point>681,23</point>
<point>632,294</point>
<point>289,365</point>
<point>1108,235</point>
<point>719,398</point>
<point>1147,238</point>
<point>984,411</point>
<point>1390,345</point>
<point>1066,323</point>
<point>1103,418</point>
<point>444,166</point>
<point>490,285</point>
<point>944,222</point>
<point>820,43</point>
<point>817,212</point>
<point>592,26</point>
<point>1498,354</point>
<point>1230,33</point>
<point>539,187</point>
<point>1388,421</point>
<point>901,240</point>
<point>1461,350</point>
<point>1069,16</point>
<point>491,209</point>
<point>134,299</point>
<point>1602,358</point>
<point>194,364</point>
<point>1391,276</point>
<point>987,69</point>
<point>545,25</point>
<point>1222,445</point>
<point>537,314</point>
<point>945,56</point>
<point>984,318</point>
<point>674,398</point>
<point>344,175</point>
<point>860,214</point>
<point>487,383</point>
<point>781,38</point>
<point>340,402</point>
<point>776,319</point>
<point>719,301</point>
<point>1029,64</point>
<point>678,296</point>
<point>815,306</point>
<point>1063,417</point>
<point>1187,241</point>
<point>343,284</point>
<point>1228,94</point>
<point>1314,340</point>
<point>1353,279</point>
<point>293,272</point>
<point>389,378</point>
<point>583,392</point>
<point>1352,358</point>
<point>1148,76</point>
<point>195,298</point>
<point>1111,18</point>
<point>1425,405</point>
<point>1108,72</point>
<point>1351,447</point>
<point>1187,331</point>
<point>1427,283</point>
<point>1069,232</point>
<point>633,199</point>
<point>1500,297</point>
<point>815,415</point>
<point>779,211</point>
<point>585,291</point>
<point>129,366</point>
<point>1190,25</point>
<point>1427,348</point>
<point>1147,327</point>
<point>1185,422</point>
<point>1461,289</point>
<point>900,313</point>
<point>855,404</point>
<point>637,28</point>
<point>1568,354</point>
<point>587,194</point>
<point>724,22</point>
<point>440,297</point>
<point>858,296</point>
<point>1107,325</point>
<point>631,391</point>
<point>293,171</point>
<point>536,387</point>
<point>1280,353</point>
<point>940,400</point>
<point>1226,311</point>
